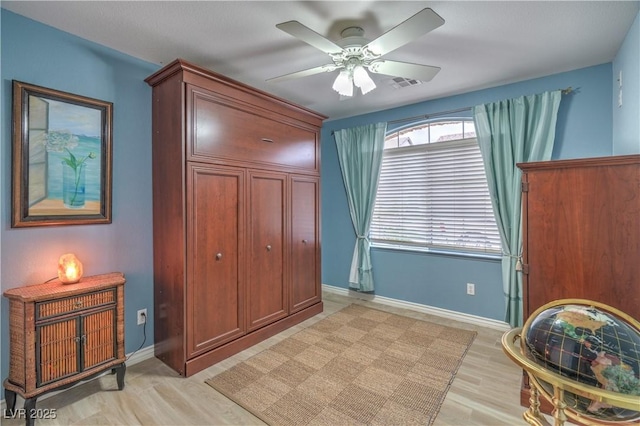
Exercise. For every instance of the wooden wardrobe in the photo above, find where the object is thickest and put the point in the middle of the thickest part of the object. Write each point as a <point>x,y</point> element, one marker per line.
<point>581,234</point>
<point>236,216</point>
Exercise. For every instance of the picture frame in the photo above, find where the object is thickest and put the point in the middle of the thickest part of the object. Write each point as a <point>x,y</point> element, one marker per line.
<point>62,158</point>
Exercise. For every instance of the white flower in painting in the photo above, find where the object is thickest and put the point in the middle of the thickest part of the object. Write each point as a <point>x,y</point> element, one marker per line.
<point>59,140</point>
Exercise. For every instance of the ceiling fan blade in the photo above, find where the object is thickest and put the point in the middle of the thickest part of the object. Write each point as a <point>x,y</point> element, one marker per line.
<point>404,69</point>
<point>304,73</point>
<point>309,36</point>
<point>419,24</point>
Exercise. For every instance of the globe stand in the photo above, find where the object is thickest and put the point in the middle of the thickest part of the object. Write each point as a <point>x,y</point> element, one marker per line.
<point>533,415</point>
<point>560,384</point>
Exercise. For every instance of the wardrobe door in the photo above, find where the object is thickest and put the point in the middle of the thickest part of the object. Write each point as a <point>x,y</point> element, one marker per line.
<point>259,136</point>
<point>267,294</point>
<point>305,254</point>
<point>215,290</point>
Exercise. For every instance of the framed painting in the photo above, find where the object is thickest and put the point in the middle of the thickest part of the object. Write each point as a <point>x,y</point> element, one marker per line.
<point>61,158</point>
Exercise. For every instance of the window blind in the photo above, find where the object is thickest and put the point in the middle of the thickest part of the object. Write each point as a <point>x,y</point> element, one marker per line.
<point>435,195</point>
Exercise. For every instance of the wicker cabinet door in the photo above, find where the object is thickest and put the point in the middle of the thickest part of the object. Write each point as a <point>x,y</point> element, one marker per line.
<point>305,256</point>
<point>98,338</point>
<point>267,294</point>
<point>58,350</point>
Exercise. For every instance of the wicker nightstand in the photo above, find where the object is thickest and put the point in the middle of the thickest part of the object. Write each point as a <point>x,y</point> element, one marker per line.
<point>62,334</point>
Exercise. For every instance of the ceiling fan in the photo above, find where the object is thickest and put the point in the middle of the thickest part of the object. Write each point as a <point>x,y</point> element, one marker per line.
<point>353,54</point>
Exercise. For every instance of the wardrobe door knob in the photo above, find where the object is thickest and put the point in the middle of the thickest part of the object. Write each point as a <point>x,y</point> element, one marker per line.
<point>304,241</point>
<point>218,256</point>
<point>268,247</point>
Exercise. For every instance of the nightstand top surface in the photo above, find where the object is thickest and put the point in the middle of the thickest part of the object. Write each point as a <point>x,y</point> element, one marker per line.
<point>56,289</point>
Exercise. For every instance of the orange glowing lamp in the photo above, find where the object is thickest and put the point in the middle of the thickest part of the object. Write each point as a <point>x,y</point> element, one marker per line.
<point>69,268</point>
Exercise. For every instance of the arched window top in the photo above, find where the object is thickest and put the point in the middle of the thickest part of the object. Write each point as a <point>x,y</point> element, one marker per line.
<point>430,132</point>
<point>433,192</point>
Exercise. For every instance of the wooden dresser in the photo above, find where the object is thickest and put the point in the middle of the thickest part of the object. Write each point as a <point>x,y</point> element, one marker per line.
<point>581,233</point>
<point>62,334</point>
<point>236,215</point>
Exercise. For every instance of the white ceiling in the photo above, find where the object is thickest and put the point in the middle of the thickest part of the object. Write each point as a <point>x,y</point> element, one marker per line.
<point>482,44</point>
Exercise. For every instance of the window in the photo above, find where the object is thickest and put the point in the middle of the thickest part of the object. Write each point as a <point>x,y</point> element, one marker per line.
<point>433,191</point>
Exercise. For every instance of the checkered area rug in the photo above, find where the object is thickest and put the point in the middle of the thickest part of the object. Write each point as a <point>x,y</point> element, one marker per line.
<point>358,366</point>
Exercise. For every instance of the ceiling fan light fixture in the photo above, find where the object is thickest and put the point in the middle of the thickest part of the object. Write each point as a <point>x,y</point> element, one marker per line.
<point>362,79</point>
<point>343,84</point>
<point>357,57</point>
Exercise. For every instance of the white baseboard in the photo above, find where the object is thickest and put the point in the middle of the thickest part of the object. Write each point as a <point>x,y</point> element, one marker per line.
<point>458,316</point>
<point>142,355</point>
<point>136,357</point>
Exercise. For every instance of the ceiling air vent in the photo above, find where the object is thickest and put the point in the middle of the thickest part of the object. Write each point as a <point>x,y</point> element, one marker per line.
<point>400,82</point>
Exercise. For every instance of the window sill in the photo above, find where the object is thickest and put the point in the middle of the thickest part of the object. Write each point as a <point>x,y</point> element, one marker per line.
<point>439,252</point>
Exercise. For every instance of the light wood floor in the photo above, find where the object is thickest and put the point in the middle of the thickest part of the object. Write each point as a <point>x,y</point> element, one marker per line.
<point>484,392</point>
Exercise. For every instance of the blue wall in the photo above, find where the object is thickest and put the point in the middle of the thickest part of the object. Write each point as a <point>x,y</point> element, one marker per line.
<point>584,129</point>
<point>626,119</point>
<point>38,54</point>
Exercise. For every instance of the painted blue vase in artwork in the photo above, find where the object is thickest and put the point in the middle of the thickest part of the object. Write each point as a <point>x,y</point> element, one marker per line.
<point>73,184</point>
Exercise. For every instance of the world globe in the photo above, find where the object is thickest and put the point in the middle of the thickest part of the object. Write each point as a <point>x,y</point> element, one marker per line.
<point>592,344</point>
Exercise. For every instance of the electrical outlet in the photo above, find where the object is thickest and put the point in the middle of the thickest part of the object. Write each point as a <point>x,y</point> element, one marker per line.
<point>471,289</point>
<point>142,316</point>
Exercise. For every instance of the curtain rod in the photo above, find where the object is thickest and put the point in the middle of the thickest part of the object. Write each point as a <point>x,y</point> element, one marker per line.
<point>427,116</point>
<point>565,91</point>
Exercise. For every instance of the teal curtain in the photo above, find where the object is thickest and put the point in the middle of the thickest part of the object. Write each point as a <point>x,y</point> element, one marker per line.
<point>360,154</point>
<point>513,131</point>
